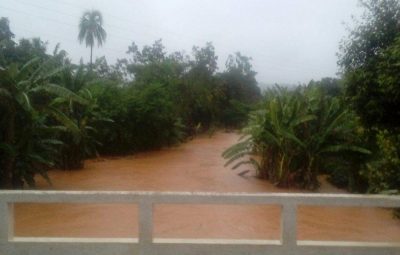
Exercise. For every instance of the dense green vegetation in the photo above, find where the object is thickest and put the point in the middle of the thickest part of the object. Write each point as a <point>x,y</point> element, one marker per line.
<point>347,128</point>
<point>369,61</point>
<point>54,113</point>
<point>297,133</point>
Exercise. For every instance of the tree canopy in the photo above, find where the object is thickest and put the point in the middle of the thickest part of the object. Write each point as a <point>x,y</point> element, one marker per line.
<point>54,113</point>
<point>368,61</point>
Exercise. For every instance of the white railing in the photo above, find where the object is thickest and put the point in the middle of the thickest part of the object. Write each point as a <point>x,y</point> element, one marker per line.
<point>145,244</point>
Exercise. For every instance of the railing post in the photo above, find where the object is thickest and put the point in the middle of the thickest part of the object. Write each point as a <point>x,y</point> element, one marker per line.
<point>145,226</point>
<point>6,222</point>
<point>289,225</point>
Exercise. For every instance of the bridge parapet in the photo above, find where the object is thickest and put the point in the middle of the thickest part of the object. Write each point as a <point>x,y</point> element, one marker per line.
<point>145,244</point>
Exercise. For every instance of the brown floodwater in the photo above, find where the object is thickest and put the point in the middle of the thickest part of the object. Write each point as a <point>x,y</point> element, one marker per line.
<point>193,166</point>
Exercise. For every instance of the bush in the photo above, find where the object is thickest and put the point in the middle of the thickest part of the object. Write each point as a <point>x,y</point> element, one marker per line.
<point>383,174</point>
<point>154,119</point>
<point>235,115</point>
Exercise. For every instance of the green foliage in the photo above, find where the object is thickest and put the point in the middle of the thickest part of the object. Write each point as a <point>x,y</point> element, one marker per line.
<point>27,141</point>
<point>144,118</point>
<point>368,60</point>
<point>240,79</point>
<point>330,86</point>
<point>77,110</point>
<point>235,114</point>
<point>115,137</point>
<point>383,173</point>
<point>237,91</point>
<point>37,98</point>
<point>56,114</point>
<point>295,134</point>
<point>154,119</point>
<point>201,96</point>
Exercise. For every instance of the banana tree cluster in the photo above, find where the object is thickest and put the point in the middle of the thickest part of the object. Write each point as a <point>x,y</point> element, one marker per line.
<point>34,119</point>
<point>294,135</point>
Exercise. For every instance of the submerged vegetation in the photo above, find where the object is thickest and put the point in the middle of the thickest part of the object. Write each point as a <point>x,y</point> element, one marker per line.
<point>347,129</point>
<point>297,134</point>
<point>54,113</point>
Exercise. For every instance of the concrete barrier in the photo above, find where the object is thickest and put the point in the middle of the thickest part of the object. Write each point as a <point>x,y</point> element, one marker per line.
<point>145,244</point>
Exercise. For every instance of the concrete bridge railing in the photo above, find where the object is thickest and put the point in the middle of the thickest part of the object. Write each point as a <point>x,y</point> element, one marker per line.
<point>145,244</point>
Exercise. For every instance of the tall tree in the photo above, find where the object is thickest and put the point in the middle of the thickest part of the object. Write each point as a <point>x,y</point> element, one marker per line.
<point>368,58</point>
<point>240,78</point>
<point>91,30</point>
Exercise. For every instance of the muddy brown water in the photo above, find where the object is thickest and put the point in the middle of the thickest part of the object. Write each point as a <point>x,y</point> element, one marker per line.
<point>194,166</point>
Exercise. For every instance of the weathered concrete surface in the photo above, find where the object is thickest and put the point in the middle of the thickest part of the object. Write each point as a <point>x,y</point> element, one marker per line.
<point>194,166</point>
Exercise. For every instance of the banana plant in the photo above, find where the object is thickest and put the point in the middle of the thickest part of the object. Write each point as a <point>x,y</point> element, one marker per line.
<point>78,116</point>
<point>29,141</point>
<point>291,136</point>
<point>20,117</point>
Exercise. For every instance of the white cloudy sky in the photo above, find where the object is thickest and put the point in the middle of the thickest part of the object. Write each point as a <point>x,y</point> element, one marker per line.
<point>290,41</point>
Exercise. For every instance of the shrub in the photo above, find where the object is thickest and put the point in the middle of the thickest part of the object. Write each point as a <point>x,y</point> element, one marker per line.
<point>383,174</point>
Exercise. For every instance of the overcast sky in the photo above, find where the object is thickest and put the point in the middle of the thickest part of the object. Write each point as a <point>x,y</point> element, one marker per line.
<point>290,41</point>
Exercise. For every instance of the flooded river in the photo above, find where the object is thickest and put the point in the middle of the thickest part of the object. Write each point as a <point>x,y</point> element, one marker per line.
<point>194,166</point>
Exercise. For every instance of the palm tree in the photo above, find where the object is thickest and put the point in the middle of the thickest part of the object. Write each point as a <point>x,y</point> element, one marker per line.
<point>91,29</point>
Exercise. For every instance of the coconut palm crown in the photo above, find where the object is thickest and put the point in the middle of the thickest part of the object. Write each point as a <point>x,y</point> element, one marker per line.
<point>91,30</point>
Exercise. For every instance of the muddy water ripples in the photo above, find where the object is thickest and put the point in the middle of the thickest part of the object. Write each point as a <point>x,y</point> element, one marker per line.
<point>194,166</point>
